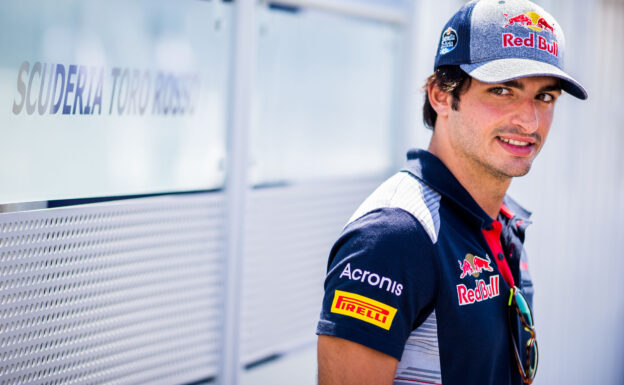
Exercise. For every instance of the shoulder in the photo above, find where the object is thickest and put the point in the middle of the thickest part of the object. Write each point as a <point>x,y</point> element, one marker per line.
<point>384,230</point>
<point>389,239</point>
<point>400,202</point>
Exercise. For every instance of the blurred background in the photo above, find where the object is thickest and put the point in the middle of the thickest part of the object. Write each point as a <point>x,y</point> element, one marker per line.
<point>174,174</point>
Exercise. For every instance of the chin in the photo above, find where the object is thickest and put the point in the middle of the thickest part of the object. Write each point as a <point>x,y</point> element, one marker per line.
<point>516,172</point>
<point>513,170</point>
<point>521,173</point>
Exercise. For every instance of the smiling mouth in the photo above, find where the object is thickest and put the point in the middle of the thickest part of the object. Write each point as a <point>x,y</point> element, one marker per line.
<point>514,142</point>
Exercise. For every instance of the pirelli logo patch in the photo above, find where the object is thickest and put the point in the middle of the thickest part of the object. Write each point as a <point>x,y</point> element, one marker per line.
<point>363,308</point>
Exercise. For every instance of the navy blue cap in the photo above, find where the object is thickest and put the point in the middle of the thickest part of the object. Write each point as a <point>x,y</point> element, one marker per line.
<point>495,41</point>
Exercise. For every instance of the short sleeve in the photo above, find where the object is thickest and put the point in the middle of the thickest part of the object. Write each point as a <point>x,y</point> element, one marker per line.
<point>380,281</point>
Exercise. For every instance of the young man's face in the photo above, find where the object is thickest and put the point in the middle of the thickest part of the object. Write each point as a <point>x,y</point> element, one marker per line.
<point>500,128</point>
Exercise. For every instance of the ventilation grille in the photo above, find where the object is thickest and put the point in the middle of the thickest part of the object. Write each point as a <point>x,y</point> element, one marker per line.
<point>289,233</point>
<point>127,292</point>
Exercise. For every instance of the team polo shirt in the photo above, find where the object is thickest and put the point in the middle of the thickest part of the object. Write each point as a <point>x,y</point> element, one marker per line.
<point>413,276</point>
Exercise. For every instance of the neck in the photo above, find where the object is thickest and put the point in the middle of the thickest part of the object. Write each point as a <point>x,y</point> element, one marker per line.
<point>487,192</point>
<point>486,189</point>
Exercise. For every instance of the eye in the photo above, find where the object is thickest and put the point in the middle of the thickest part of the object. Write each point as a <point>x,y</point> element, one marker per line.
<point>500,91</point>
<point>546,97</point>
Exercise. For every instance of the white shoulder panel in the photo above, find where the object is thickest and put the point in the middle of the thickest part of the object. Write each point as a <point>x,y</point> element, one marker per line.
<point>408,193</point>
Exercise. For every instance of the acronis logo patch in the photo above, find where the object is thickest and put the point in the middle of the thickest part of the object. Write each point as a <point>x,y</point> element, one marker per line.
<point>372,279</point>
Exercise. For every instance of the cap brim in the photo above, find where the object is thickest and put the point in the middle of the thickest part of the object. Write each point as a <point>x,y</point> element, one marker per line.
<point>502,70</point>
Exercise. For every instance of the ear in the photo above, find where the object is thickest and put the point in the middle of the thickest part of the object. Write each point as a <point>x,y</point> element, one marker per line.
<point>440,101</point>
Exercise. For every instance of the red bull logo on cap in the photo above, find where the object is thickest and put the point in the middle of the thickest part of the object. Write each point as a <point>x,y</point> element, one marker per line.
<point>534,22</point>
<point>473,265</point>
<point>530,20</point>
<point>540,43</point>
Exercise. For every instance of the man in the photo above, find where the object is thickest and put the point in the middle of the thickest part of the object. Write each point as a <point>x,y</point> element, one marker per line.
<point>428,282</point>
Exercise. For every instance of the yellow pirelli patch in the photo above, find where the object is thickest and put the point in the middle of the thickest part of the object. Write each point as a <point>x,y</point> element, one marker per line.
<point>363,308</point>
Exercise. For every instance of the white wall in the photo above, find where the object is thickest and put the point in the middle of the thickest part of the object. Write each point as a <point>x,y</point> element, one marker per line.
<point>576,191</point>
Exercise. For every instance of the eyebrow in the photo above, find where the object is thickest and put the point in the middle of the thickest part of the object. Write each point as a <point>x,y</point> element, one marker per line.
<point>520,86</point>
<point>514,84</point>
<point>552,87</point>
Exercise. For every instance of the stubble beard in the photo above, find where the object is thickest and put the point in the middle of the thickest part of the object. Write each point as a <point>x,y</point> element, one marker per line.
<point>484,165</point>
<point>511,170</point>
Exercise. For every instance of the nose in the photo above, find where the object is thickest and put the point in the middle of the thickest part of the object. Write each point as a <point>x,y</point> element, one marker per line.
<point>526,116</point>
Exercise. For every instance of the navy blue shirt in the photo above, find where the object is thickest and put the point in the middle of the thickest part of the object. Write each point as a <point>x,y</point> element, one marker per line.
<point>413,276</point>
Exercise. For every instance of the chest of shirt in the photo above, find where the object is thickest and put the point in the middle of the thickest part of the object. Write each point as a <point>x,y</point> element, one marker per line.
<point>472,293</point>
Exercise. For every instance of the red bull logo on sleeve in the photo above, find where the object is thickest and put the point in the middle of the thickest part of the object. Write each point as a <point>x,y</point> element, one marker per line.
<point>481,292</point>
<point>473,265</point>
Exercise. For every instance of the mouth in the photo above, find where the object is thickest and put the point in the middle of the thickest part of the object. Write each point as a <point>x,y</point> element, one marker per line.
<point>517,147</point>
<point>514,142</point>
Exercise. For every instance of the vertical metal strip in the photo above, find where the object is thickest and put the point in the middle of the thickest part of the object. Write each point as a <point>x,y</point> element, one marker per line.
<point>239,119</point>
<point>407,89</point>
<point>419,30</point>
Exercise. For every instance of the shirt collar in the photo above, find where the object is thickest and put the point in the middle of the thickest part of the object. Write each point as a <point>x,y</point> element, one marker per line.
<point>430,169</point>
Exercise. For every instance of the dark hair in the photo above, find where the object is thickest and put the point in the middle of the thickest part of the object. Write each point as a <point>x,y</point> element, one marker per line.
<point>451,79</point>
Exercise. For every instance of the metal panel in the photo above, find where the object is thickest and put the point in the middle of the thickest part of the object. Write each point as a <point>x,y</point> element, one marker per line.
<point>289,233</point>
<point>239,115</point>
<point>122,292</point>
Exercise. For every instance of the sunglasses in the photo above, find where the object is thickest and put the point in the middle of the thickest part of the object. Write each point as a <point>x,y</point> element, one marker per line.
<point>528,368</point>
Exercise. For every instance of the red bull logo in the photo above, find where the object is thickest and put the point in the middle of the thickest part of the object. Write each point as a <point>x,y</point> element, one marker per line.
<point>473,265</point>
<point>539,42</point>
<point>534,22</point>
<point>530,20</point>
<point>481,292</point>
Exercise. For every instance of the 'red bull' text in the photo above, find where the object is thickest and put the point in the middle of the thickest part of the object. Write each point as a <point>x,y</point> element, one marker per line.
<point>481,292</point>
<point>531,41</point>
